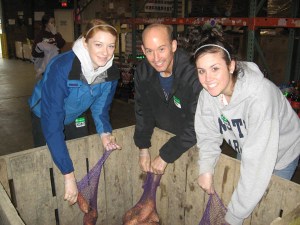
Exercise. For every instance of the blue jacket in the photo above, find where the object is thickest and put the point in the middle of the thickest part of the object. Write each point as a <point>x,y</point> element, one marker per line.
<point>61,96</point>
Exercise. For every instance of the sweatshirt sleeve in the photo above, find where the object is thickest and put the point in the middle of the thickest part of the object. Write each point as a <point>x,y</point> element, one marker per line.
<point>258,160</point>
<point>100,108</point>
<point>52,117</point>
<point>208,136</point>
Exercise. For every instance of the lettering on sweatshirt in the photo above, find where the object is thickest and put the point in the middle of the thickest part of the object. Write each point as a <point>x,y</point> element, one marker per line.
<point>231,129</point>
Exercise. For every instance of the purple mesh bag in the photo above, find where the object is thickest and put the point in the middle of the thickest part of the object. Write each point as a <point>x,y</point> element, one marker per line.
<point>88,190</point>
<point>144,212</point>
<point>215,211</point>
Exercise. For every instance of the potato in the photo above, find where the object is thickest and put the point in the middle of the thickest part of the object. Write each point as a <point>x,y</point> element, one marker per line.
<point>91,217</point>
<point>148,223</point>
<point>132,221</point>
<point>146,208</point>
<point>144,212</point>
<point>82,203</point>
<point>153,217</point>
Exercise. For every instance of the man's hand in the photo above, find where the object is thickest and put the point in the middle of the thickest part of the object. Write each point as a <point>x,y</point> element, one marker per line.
<point>71,190</point>
<point>145,160</point>
<point>205,181</point>
<point>158,165</point>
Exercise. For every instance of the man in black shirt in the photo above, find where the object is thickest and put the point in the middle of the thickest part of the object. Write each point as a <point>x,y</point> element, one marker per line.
<point>166,94</point>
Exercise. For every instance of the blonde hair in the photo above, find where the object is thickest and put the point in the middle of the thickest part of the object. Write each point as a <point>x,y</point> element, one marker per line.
<point>95,25</point>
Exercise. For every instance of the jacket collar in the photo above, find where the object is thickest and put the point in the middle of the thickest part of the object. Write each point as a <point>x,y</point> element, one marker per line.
<point>153,78</point>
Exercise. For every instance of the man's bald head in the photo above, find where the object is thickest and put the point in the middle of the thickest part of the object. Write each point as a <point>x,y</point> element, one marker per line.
<point>160,27</point>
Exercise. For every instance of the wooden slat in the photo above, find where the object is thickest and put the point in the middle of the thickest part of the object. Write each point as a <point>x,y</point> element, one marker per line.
<point>137,177</point>
<point>8,213</point>
<point>195,197</point>
<point>31,179</point>
<point>225,180</point>
<point>176,184</point>
<point>281,195</point>
<point>162,194</point>
<point>164,204</point>
<point>275,199</point>
<point>4,176</point>
<point>95,152</point>
<point>71,215</point>
<point>118,179</point>
<point>292,218</point>
<point>270,202</point>
<point>290,197</point>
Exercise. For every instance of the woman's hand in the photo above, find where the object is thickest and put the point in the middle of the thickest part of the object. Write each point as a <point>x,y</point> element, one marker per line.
<point>109,142</point>
<point>71,191</point>
<point>205,181</point>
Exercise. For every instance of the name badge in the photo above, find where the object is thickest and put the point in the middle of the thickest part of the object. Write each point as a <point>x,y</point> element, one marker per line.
<point>177,102</point>
<point>80,122</point>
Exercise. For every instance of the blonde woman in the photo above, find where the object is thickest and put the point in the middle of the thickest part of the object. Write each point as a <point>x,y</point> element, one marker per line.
<point>85,77</point>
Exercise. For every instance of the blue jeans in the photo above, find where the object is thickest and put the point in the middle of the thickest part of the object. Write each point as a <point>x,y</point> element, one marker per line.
<point>286,173</point>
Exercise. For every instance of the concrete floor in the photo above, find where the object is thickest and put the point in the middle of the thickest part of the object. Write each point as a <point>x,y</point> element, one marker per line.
<point>16,83</point>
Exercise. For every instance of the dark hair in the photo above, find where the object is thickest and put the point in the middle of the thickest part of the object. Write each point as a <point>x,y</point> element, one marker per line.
<point>212,41</point>
<point>45,20</point>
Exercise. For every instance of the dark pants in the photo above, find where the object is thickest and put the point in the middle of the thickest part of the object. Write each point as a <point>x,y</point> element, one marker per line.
<point>70,131</point>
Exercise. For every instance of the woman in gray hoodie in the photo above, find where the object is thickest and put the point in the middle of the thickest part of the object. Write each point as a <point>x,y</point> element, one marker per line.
<point>238,104</point>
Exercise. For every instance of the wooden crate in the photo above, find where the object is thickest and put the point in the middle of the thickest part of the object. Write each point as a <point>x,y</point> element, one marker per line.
<point>36,187</point>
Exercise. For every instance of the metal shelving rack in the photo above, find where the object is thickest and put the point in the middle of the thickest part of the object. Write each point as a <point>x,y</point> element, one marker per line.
<point>252,25</point>
<point>230,21</point>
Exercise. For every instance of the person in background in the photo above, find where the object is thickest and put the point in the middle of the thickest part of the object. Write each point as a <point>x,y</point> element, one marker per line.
<point>238,104</point>
<point>74,81</point>
<point>166,93</point>
<point>46,45</point>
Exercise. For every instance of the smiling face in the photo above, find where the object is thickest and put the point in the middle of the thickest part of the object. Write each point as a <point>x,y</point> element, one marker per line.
<point>101,47</point>
<point>159,50</point>
<point>214,74</point>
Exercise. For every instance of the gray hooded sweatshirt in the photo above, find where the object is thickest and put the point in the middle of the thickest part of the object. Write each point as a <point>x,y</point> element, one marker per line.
<point>260,124</point>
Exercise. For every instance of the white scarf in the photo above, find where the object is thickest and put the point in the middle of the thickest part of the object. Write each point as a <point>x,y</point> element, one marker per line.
<point>87,67</point>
